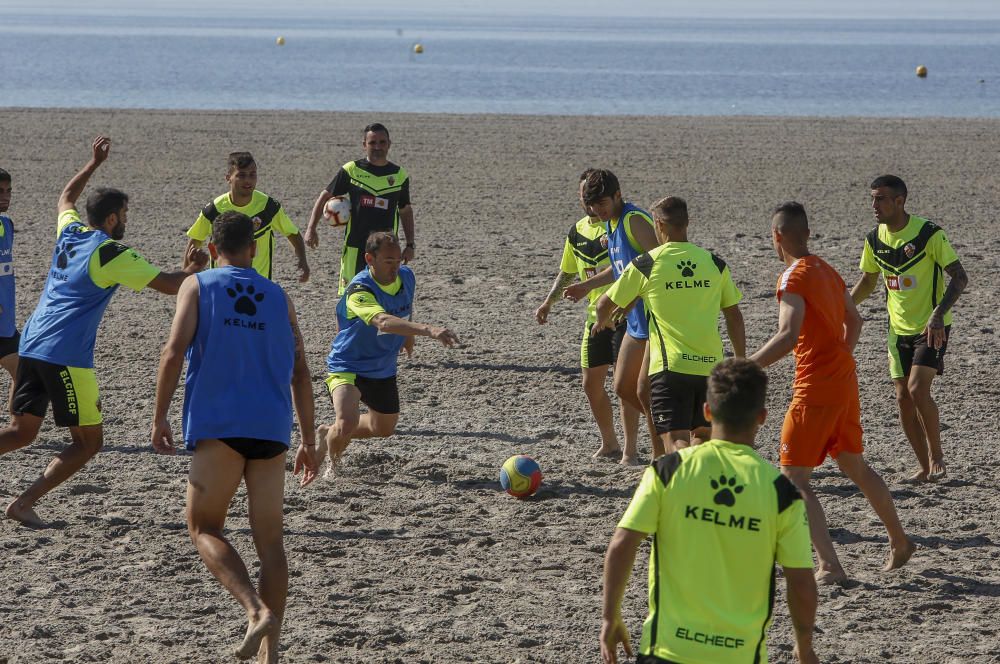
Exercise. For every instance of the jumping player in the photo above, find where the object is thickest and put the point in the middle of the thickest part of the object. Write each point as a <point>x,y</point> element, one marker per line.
<point>57,347</point>
<point>373,323</point>
<point>911,253</point>
<point>585,253</point>
<point>817,319</point>
<point>684,288</point>
<point>630,233</point>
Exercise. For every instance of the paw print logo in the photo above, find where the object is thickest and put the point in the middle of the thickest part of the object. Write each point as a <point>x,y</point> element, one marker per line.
<point>687,268</point>
<point>62,258</point>
<point>725,490</point>
<point>245,299</point>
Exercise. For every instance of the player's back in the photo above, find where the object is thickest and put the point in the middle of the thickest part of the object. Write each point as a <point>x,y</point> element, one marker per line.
<point>824,366</point>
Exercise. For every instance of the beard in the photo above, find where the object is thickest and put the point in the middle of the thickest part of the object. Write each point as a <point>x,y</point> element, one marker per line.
<point>118,233</point>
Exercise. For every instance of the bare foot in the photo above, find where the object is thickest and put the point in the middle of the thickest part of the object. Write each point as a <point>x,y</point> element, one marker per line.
<point>917,478</point>
<point>938,470</point>
<point>24,514</point>
<point>321,448</point>
<point>898,557</point>
<point>829,577</point>
<point>606,453</point>
<point>256,631</point>
<point>630,461</point>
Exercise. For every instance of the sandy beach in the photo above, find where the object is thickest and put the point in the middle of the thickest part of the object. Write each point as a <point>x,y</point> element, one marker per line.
<point>413,554</point>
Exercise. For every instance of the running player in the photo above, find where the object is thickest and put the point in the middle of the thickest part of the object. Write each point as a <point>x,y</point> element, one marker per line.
<point>585,253</point>
<point>238,430</point>
<point>9,336</point>
<point>57,347</point>
<point>720,517</point>
<point>630,232</point>
<point>684,287</point>
<point>911,254</point>
<point>243,196</point>
<point>380,200</point>
<point>374,326</point>
<point>817,319</point>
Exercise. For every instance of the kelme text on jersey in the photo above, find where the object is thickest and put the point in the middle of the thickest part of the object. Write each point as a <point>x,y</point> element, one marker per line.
<point>689,283</point>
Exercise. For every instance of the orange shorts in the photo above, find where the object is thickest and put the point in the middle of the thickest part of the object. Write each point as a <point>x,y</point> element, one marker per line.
<point>810,433</point>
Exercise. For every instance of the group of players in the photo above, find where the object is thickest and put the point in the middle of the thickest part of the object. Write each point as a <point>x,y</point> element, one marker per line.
<point>229,318</point>
<point>654,300</point>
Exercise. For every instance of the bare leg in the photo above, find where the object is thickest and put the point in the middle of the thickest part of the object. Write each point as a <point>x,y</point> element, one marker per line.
<point>859,472</point>
<point>919,387</point>
<point>913,429</point>
<point>87,442</point>
<point>675,440</point>
<point>265,481</point>
<point>349,425</point>
<point>644,392</point>
<point>628,371</point>
<point>600,407</point>
<point>216,471</point>
<point>9,362</point>
<point>829,569</point>
<point>630,427</point>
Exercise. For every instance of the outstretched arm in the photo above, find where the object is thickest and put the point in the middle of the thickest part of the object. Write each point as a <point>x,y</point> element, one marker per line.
<point>562,280</point>
<point>863,289</point>
<point>618,562</point>
<point>579,290</point>
<point>736,329</point>
<point>172,362</point>
<point>195,260</point>
<point>71,192</point>
<point>935,326</point>
<point>389,324</point>
<point>791,313</point>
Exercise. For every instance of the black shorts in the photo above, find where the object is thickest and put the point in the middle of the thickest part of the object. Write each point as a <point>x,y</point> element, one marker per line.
<point>379,394</point>
<point>255,448</point>
<point>72,391</point>
<point>601,349</point>
<point>913,349</point>
<point>9,344</point>
<point>652,659</point>
<point>677,401</point>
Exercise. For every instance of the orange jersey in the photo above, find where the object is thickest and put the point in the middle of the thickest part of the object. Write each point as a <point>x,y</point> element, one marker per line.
<point>824,366</point>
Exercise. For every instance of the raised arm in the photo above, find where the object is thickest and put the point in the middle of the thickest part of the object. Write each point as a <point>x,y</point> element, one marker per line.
<point>791,313</point>
<point>618,562</point>
<point>800,584</point>
<point>305,407</point>
<point>562,280</point>
<point>172,362</point>
<point>956,284</point>
<point>863,289</point>
<point>195,260</point>
<point>71,192</point>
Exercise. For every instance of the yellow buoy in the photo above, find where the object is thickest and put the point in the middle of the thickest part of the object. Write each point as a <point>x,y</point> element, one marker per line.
<point>280,41</point>
<point>922,71</point>
<point>418,48</point>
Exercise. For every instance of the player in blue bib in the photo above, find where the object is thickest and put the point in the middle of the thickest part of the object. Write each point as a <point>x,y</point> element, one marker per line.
<point>232,319</point>
<point>373,319</point>
<point>630,233</point>
<point>56,350</point>
<point>9,336</point>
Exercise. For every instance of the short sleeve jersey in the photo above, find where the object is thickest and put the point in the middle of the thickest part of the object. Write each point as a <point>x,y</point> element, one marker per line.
<point>720,517</point>
<point>824,367</point>
<point>684,287</point>
<point>363,304</point>
<point>272,221</point>
<point>912,263</point>
<point>377,194</point>
<point>585,253</point>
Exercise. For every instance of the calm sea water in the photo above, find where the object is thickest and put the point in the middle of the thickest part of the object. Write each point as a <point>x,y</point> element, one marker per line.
<point>504,65</point>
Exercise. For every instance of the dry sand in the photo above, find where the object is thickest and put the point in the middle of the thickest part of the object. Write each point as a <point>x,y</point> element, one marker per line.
<point>413,554</point>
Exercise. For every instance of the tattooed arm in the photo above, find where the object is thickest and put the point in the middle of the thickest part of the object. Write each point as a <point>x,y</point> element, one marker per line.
<point>563,279</point>
<point>935,326</point>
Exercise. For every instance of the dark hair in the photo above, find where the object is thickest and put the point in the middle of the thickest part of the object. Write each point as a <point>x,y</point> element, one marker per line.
<point>793,214</point>
<point>586,174</point>
<point>600,183</point>
<point>232,232</point>
<point>238,160</point>
<point>104,202</point>
<point>892,183</point>
<point>380,239</point>
<point>737,392</point>
<point>672,209</point>
<point>4,176</point>
<point>377,127</point>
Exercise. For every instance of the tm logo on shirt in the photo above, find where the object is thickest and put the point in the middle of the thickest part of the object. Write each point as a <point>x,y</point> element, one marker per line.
<point>900,282</point>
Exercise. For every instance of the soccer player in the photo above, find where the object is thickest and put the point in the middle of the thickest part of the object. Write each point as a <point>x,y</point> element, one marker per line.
<point>911,253</point>
<point>374,326</point>
<point>239,430</point>
<point>380,200</point>
<point>57,346</point>
<point>585,253</point>
<point>720,517</point>
<point>9,336</point>
<point>270,217</point>
<point>817,319</point>
<point>684,287</point>
<point>630,233</point>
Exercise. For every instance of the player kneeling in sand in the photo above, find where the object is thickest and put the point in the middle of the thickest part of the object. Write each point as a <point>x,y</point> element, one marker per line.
<point>818,320</point>
<point>233,319</point>
<point>372,319</point>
